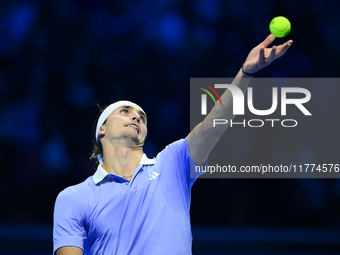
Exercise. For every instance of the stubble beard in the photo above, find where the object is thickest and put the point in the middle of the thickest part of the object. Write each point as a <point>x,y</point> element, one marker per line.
<point>126,139</point>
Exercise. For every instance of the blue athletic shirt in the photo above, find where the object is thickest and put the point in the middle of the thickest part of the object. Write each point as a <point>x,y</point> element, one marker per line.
<point>107,214</point>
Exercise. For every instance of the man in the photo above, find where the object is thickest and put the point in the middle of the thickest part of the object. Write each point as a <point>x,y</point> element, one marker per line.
<point>135,205</point>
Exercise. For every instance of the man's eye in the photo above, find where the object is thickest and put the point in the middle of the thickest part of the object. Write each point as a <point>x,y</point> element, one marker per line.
<point>124,111</point>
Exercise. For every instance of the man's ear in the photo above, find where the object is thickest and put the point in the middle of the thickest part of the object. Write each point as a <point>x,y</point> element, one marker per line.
<point>101,132</point>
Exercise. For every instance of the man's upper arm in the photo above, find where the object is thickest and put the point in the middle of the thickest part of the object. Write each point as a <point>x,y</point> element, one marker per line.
<point>199,145</point>
<point>68,229</point>
<point>69,250</point>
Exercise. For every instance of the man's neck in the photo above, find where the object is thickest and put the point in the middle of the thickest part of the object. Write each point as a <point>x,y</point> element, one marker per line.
<point>122,161</point>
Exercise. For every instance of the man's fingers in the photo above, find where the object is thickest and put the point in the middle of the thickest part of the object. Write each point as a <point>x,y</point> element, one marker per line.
<point>261,57</point>
<point>270,38</point>
<point>286,47</point>
<point>283,48</point>
<point>271,57</point>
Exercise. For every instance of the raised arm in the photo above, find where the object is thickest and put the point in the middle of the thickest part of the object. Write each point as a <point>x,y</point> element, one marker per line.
<point>204,136</point>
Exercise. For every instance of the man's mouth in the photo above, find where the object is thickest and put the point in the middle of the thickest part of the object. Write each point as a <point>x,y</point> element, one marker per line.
<point>134,126</point>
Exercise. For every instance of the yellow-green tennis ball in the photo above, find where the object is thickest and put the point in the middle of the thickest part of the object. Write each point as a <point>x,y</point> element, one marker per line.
<point>279,26</point>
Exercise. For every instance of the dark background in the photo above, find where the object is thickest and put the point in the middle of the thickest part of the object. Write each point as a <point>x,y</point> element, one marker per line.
<point>58,59</point>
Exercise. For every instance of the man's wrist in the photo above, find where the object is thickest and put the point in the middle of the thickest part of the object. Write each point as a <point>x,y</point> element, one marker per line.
<point>245,73</point>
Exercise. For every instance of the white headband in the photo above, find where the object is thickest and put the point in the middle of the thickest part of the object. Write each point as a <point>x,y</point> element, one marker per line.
<point>106,113</point>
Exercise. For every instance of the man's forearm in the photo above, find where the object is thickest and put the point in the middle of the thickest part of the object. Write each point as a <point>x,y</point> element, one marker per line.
<point>204,136</point>
<point>224,111</point>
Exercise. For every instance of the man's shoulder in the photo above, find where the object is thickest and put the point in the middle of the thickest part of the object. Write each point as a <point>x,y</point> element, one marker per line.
<point>173,151</point>
<point>79,190</point>
<point>177,144</point>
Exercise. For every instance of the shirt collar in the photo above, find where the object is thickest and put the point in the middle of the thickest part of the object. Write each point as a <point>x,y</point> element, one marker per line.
<point>100,174</point>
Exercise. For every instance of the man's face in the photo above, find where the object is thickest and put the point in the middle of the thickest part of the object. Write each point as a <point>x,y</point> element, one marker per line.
<point>126,124</point>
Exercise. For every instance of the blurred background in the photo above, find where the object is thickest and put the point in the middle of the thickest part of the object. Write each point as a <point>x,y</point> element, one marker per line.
<point>59,59</point>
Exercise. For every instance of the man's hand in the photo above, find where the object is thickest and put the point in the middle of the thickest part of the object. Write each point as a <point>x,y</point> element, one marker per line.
<point>204,136</point>
<point>261,56</point>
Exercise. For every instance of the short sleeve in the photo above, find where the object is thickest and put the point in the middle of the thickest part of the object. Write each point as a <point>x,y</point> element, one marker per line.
<point>68,224</point>
<point>181,150</point>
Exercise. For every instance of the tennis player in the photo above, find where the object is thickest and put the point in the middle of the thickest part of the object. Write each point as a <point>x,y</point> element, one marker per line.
<point>134,205</point>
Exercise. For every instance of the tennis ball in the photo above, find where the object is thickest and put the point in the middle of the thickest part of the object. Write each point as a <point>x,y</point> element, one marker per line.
<point>279,26</point>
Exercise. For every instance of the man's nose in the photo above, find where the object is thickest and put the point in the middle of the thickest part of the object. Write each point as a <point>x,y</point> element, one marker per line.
<point>136,116</point>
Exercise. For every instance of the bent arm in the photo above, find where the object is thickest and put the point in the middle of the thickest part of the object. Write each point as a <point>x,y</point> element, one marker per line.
<point>204,136</point>
<point>69,250</point>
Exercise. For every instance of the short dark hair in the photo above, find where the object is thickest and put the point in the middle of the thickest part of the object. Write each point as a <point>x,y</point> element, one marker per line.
<point>97,148</point>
